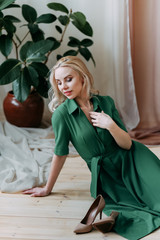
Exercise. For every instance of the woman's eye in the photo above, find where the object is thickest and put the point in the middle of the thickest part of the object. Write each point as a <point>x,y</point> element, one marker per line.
<point>58,83</point>
<point>69,79</point>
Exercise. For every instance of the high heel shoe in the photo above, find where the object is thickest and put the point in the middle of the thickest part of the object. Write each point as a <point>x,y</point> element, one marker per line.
<point>86,224</point>
<point>106,224</point>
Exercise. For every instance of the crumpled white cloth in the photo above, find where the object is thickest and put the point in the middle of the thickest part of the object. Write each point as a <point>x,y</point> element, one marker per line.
<point>25,157</point>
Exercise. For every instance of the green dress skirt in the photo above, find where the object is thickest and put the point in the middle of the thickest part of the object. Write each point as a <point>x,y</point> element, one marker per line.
<point>127,179</point>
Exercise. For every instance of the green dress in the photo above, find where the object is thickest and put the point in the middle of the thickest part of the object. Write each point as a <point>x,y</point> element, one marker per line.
<point>127,179</point>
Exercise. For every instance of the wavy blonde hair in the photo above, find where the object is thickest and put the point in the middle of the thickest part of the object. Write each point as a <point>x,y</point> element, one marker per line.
<point>77,65</point>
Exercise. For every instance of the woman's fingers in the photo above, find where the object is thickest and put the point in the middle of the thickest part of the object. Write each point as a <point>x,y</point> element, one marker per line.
<point>101,119</point>
<point>33,191</point>
<point>36,195</point>
<point>96,114</point>
<point>29,191</point>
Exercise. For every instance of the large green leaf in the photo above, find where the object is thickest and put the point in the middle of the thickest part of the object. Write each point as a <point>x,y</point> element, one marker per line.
<point>37,51</point>
<point>79,18</point>
<point>86,42</point>
<point>38,35</point>
<point>5,3</point>
<point>5,45</point>
<point>74,42</point>
<point>13,6</point>
<point>33,28</point>
<point>41,68</point>
<point>12,18</point>
<point>36,57</point>
<point>21,86</point>
<point>9,71</point>
<point>9,27</point>
<point>79,21</point>
<point>58,7</point>
<point>24,49</point>
<point>86,29</point>
<point>85,53</point>
<point>56,44</point>
<point>32,76</point>
<point>29,13</point>
<point>43,87</point>
<point>70,53</point>
<point>46,18</point>
<point>64,20</point>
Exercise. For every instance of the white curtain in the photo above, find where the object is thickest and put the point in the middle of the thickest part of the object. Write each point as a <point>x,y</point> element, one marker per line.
<point>121,84</point>
<point>111,50</point>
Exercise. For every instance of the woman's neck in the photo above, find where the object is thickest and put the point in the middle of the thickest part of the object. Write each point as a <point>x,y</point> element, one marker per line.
<point>85,104</point>
<point>83,101</point>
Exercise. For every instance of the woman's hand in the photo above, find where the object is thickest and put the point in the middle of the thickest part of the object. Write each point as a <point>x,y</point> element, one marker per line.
<point>37,192</point>
<point>102,120</point>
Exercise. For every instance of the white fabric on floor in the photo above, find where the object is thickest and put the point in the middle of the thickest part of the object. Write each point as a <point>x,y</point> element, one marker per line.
<point>25,157</point>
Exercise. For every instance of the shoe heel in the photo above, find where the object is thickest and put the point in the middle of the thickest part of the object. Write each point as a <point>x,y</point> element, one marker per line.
<point>100,215</point>
<point>106,225</point>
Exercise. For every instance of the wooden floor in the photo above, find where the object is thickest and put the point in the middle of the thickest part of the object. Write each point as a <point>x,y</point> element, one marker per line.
<point>54,217</point>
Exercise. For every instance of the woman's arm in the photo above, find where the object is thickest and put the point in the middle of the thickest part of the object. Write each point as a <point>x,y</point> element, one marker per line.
<point>103,120</point>
<point>56,166</point>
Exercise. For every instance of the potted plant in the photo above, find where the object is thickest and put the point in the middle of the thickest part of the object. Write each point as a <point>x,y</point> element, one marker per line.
<point>28,71</point>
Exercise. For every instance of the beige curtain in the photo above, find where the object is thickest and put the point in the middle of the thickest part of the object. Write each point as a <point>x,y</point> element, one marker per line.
<point>145,16</point>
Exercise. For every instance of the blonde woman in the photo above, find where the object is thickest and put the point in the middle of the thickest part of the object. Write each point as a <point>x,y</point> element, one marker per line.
<point>125,173</point>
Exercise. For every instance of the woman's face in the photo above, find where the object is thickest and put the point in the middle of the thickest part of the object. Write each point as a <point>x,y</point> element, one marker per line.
<point>69,82</point>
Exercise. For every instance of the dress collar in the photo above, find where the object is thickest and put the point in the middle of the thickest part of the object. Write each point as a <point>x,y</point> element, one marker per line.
<point>73,106</point>
<point>96,102</point>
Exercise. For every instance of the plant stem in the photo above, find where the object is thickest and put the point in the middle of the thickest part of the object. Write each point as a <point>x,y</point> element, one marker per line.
<point>47,57</point>
<point>23,39</point>
<point>16,47</point>
<point>64,32</point>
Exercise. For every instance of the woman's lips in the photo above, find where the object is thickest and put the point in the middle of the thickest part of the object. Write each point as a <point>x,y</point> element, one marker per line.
<point>68,93</point>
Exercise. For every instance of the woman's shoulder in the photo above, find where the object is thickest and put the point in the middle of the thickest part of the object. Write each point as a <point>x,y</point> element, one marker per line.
<point>60,112</point>
<point>105,99</point>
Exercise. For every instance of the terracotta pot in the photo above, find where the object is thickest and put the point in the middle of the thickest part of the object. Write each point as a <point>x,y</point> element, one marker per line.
<point>26,114</point>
